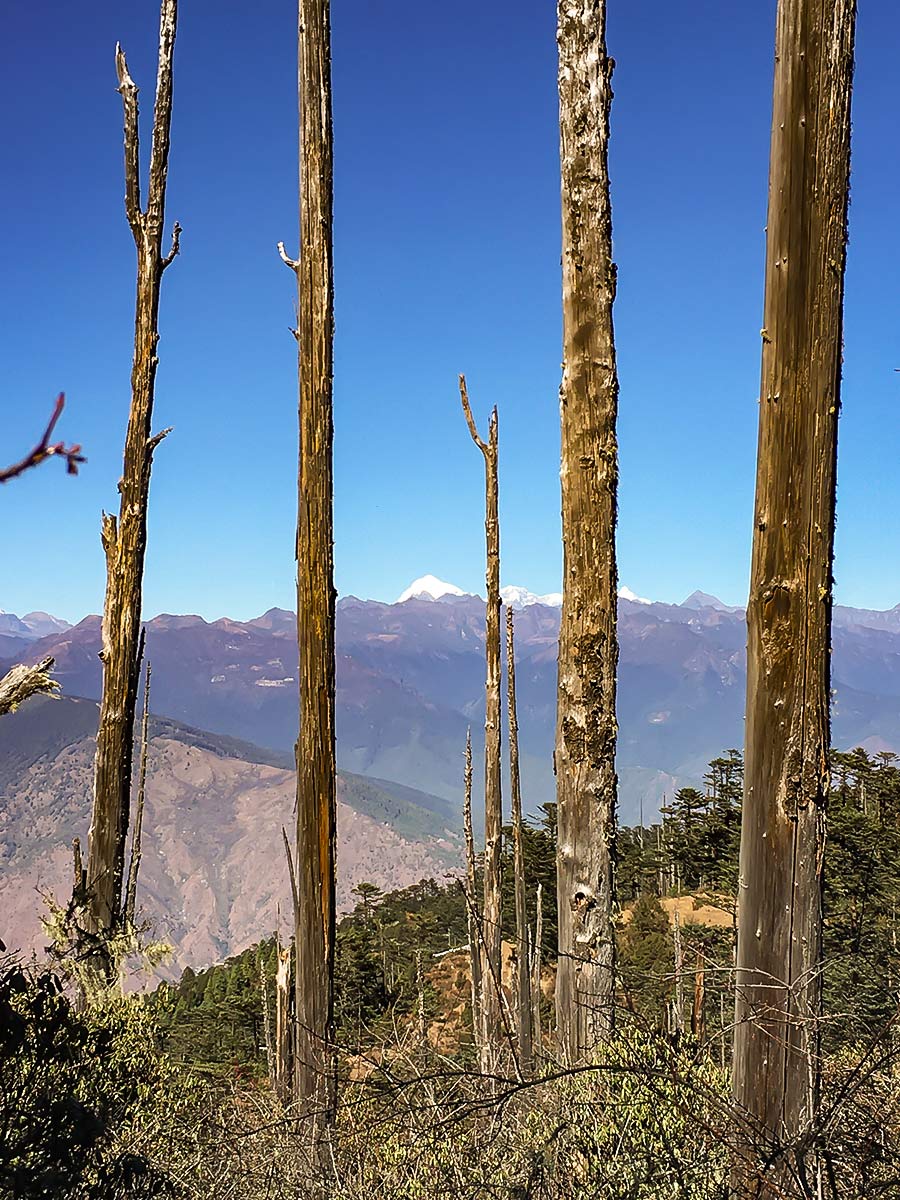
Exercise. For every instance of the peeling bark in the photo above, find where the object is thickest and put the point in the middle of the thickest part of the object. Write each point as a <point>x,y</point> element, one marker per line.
<point>124,541</point>
<point>588,649</point>
<point>314,1065</point>
<point>776,1059</point>
<point>524,1016</point>
<point>492,933</point>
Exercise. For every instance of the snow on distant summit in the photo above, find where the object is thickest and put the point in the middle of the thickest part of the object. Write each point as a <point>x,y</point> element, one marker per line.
<point>429,587</point>
<point>625,593</point>
<point>518,598</point>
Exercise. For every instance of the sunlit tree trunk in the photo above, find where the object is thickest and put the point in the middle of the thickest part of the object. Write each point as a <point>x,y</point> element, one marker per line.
<point>588,650</point>
<point>315,751</point>
<point>492,1001</point>
<point>776,1061</point>
<point>523,1010</point>
<point>125,539</point>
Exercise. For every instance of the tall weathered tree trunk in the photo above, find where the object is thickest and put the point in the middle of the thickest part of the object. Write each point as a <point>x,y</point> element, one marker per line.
<point>284,1025</point>
<point>588,649</point>
<point>134,864</point>
<point>776,1067</point>
<point>524,1019</point>
<point>316,805</point>
<point>124,541</point>
<point>536,965</point>
<point>472,918</point>
<point>493,815</point>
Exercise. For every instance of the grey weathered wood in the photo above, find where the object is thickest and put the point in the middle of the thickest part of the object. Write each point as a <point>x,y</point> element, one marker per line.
<point>134,864</point>
<point>776,1062</point>
<point>536,966</point>
<point>124,540</point>
<point>523,1009</point>
<point>314,1062</point>
<point>267,1024</point>
<point>492,933</point>
<point>678,1011</point>
<point>472,915</point>
<point>284,1026</point>
<point>23,681</point>
<point>588,649</point>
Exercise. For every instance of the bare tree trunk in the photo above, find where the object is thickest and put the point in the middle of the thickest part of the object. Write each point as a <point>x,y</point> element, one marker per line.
<point>536,966</point>
<point>124,541</point>
<point>588,648</point>
<point>420,1001</point>
<point>698,1022</point>
<point>267,1024</point>
<point>524,1020</point>
<point>134,865</point>
<point>23,681</point>
<point>472,915</point>
<point>679,974</point>
<point>315,1081</point>
<point>493,814</point>
<point>776,1049</point>
<point>283,1025</point>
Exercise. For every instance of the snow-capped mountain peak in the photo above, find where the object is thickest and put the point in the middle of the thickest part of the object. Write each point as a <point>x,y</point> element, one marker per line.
<point>518,598</point>
<point>625,593</point>
<point>429,587</point>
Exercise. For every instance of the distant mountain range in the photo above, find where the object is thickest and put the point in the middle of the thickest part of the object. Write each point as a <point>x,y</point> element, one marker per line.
<point>213,875</point>
<point>411,679</point>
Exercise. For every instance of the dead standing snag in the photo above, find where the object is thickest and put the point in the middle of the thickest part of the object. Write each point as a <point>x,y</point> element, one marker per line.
<point>124,540</point>
<point>776,1053</point>
<point>588,648</point>
<point>314,928</point>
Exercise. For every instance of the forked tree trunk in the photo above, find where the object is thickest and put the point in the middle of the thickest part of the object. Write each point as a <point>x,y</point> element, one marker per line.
<point>315,752</point>
<point>524,1018</point>
<point>473,922</point>
<point>124,541</point>
<point>493,815</point>
<point>588,649</point>
<point>776,1060</point>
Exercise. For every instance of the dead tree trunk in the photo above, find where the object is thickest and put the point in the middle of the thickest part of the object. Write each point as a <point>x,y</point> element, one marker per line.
<point>698,1020</point>
<point>588,649</point>
<point>267,1024</point>
<point>124,541</point>
<point>678,1014</point>
<point>472,916</point>
<point>536,966</point>
<point>776,1061</point>
<point>134,864</point>
<point>315,753</point>
<point>283,1025</point>
<point>493,815</point>
<point>524,1019</point>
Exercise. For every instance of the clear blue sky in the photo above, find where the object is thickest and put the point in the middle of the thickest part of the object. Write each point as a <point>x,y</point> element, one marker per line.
<point>447,259</point>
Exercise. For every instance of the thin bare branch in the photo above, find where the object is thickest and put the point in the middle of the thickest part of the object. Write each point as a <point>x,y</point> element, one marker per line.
<point>293,263</point>
<point>44,450</point>
<point>128,90</point>
<point>470,420</point>
<point>176,246</point>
